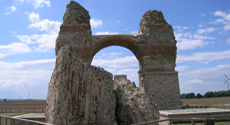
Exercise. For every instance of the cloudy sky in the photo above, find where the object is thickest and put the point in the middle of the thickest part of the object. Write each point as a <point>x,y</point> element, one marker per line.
<point>29,29</point>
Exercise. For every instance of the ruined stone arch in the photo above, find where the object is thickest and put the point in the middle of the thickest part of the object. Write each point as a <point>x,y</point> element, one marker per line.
<point>154,47</point>
<point>114,40</point>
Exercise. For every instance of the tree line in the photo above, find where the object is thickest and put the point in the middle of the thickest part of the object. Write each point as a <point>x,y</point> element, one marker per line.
<point>208,94</point>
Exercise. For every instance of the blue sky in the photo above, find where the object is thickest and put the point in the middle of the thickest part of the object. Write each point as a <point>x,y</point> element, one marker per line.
<point>29,29</point>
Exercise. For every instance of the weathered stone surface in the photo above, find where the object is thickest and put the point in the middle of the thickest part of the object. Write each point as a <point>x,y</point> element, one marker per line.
<point>157,30</point>
<point>79,94</point>
<point>76,15</point>
<point>158,81</point>
<point>132,104</point>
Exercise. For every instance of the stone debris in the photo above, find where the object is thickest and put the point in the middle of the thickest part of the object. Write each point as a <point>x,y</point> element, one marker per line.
<point>132,105</point>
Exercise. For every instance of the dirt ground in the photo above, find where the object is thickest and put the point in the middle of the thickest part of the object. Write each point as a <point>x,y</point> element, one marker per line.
<point>206,101</point>
<point>22,106</point>
<point>39,106</point>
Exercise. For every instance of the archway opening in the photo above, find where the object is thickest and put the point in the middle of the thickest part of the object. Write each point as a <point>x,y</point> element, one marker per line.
<point>119,61</point>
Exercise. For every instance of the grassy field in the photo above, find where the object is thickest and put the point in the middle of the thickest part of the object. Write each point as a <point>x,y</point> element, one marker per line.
<point>216,123</point>
<point>206,101</point>
<point>22,106</point>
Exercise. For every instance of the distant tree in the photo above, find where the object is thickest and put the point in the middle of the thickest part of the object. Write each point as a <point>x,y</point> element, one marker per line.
<point>183,95</point>
<point>190,95</point>
<point>198,95</point>
<point>4,100</point>
<point>209,94</point>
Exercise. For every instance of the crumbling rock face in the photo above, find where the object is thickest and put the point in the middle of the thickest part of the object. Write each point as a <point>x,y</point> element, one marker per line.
<point>132,104</point>
<point>79,94</point>
<point>76,15</point>
<point>156,29</point>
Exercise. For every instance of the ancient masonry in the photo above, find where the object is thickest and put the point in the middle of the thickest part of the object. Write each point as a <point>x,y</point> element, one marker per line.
<point>82,94</point>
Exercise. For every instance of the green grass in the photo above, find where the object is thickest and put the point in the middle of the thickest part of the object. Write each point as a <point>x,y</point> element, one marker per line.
<point>220,107</point>
<point>22,102</point>
<point>216,123</point>
<point>12,114</point>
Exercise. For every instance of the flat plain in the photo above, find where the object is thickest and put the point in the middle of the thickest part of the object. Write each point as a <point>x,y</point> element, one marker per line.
<point>22,106</point>
<point>39,106</point>
<point>206,101</point>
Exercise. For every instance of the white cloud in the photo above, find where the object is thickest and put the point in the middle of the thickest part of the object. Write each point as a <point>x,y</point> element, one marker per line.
<point>203,80</point>
<point>45,42</point>
<point>181,68</point>
<point>219,13</point>
<point>113,54</point>
<point>189,41</point>
<point>41,42</point>
<point>43,25</point>
<point>118,21</point>
<point>224,19</point>
<point>108,55</point>
<point>187,44</point>
<point>208,30</point>
<point>34,17</point>
<point>202,14</point>
<point>46,25</point>
<point>10,10</point>
<point>128,61</point>
<point>227,27</point>
<point>95,23</point>
<point>13,8</point>
<point>181,27</point>
<point>219,21</point>
<point>106,33</point>
<point>201,37</point>
<point>26,76</point>
<point>134,32</point>
<point>204,57</point>
<point>13,48</point>
<point>37,3</point>
<point>228,41</point>
<point>193,81</point>
<point>28,39</point>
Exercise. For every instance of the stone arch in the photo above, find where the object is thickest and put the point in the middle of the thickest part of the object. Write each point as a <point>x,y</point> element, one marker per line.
<point>117,41</point>
<point>154,47</point>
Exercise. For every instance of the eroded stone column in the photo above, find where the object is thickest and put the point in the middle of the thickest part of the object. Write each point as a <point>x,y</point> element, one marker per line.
<point>158,77</point>
<point>78,93</point>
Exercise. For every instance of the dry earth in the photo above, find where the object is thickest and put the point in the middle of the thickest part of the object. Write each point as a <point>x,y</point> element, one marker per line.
<point>22,106</point>
<point>206,101</point>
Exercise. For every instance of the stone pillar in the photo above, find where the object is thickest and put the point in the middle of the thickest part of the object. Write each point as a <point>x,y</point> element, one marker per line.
<point>158,77</point>
<point>78,93</point>
<point>162,88</point>
<point>75,31</point>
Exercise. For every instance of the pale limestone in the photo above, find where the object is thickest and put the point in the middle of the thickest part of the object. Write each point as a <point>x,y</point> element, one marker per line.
<point>132,106</point>
<point>81,94</point>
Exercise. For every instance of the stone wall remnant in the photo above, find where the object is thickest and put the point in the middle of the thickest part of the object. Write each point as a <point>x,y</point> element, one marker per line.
<point>132,104</point>
<point>81,94</point>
